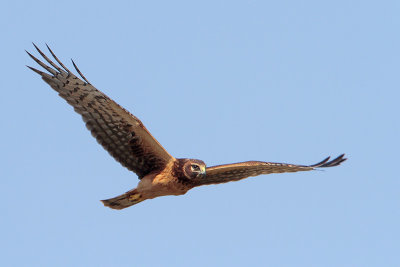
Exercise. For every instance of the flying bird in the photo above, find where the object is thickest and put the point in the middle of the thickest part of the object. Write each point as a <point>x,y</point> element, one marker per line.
<point>127,140</point>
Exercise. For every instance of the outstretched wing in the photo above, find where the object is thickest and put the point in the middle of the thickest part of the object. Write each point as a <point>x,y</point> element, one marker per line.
<point>237,171</point>
<point>119,132</point>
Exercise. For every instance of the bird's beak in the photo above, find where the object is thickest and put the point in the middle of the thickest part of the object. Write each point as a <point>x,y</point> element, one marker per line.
<point>203,170</point>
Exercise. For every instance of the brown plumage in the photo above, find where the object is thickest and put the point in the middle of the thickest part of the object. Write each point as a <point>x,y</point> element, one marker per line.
<point>131,144</point>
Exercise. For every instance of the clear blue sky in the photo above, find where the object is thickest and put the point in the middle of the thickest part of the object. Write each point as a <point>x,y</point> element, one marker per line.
<point>222,81</point>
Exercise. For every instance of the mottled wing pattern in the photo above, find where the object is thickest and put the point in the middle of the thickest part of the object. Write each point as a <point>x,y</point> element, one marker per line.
<point>119,132</point>
<point>237,171</point>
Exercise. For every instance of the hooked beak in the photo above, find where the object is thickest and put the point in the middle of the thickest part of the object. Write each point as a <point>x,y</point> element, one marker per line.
<point>203,171</point>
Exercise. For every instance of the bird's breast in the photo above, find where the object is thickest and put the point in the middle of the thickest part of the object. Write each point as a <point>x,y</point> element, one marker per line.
<point>152,186</point>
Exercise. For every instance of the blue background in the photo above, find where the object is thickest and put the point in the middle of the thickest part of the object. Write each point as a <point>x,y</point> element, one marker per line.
<point>222,81</point>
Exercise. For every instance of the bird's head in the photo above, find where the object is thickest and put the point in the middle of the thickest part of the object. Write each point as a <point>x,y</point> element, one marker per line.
<point>193,169</point>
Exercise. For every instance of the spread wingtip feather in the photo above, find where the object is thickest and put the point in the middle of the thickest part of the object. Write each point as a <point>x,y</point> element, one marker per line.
<point>326,163</point>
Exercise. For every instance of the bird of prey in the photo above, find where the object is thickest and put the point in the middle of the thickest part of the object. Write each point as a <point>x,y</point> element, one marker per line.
<point>127,140</point>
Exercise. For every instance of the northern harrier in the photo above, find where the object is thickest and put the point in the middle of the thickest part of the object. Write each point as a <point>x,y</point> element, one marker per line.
<point>131,144</point>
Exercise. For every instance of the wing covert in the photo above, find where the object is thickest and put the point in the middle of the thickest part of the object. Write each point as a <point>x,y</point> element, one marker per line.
<point>118,131</point>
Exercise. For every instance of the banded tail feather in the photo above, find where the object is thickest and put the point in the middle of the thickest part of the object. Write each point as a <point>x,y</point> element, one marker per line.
<point>123,201</point>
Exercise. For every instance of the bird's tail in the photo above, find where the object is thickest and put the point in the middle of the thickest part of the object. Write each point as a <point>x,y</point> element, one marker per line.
<point>123,201</point>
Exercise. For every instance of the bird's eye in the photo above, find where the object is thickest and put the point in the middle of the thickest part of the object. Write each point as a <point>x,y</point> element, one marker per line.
<point>195,168</point>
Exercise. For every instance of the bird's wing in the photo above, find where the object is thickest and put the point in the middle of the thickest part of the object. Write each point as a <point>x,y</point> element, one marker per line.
<point>118,131</point>
<point>237,171</point>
